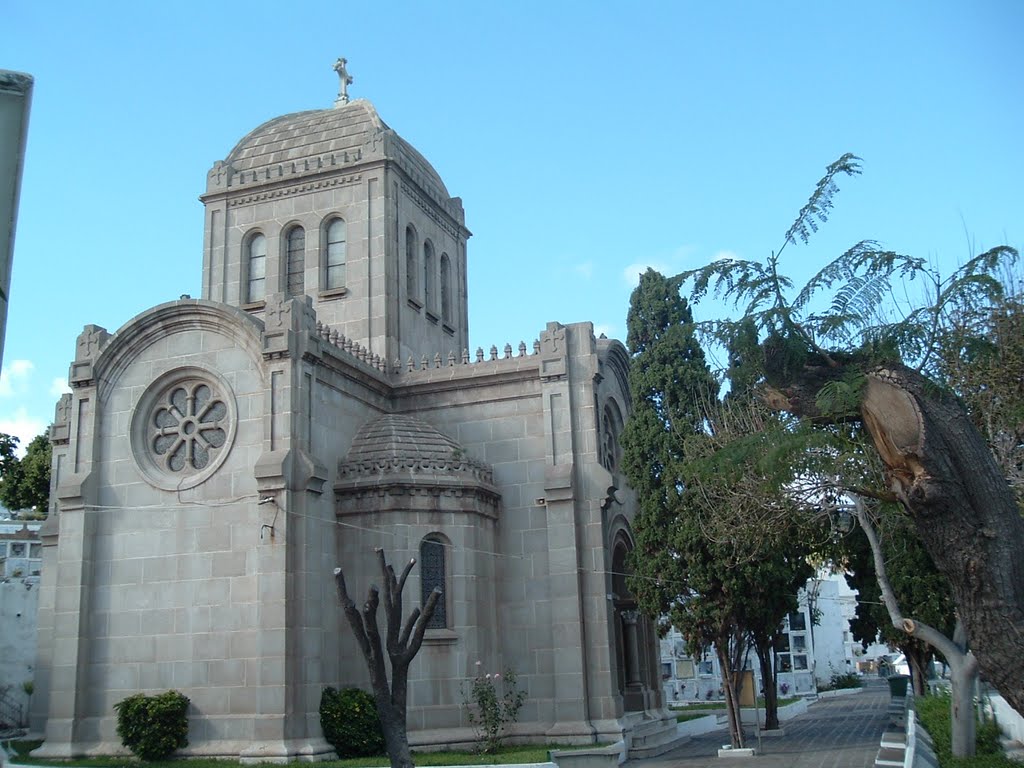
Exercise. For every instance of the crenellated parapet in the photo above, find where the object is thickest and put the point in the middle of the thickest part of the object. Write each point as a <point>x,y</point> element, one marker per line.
<point>451,464</point>
<point>450,360</point>
<point>222,176</point>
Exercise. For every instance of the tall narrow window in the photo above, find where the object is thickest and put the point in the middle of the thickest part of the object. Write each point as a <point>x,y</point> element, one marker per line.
<point>334,261</point>
<point>411,262</point>
<point>256,269</point>
<point>432,574</point>
<point>428,275</point>
<point>295,247</point>
<point>446,289</point>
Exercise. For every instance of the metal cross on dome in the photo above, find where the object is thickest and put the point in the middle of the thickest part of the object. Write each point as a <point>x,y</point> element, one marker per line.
<point>346,81</point>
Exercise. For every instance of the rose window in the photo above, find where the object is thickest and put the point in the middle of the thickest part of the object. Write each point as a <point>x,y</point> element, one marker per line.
<point>189,425</point>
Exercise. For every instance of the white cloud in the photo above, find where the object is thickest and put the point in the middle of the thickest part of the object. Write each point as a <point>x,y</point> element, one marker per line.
<point>22,427</point>
<point>631,274</point>
<point>584,270</point>
<point>726,255</point>
<point>15,376</point>
<point>59,386</point>
<point>670,263</point>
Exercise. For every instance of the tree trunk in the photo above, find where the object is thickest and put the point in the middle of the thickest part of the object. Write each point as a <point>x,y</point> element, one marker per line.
<point>730,677</point>
<point>402,644</point>
<point>964,511</point>
<point>396,740</point>
<point>963,674</point>
<point>917,663</point>
<point>763,649</point>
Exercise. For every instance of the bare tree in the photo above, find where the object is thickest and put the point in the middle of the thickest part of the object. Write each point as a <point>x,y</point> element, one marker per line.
<point>402,643</point>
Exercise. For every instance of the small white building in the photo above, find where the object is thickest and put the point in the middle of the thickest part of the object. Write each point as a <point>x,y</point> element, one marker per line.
<point>813,642</point>
<point>20,566</point>
<point>834,605</point>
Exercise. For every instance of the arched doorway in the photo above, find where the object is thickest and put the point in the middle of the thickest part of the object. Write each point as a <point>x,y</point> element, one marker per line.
<point>634,636</point>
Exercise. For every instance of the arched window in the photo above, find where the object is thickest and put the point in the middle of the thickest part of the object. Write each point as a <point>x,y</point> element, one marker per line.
<point>611,429</point>
<point>428,275</point>
<point>411,268</point>
<point>446,289</point>
<point>433,574</point>
<point>295,254</point>
<point>256,268</point>
<point>334,256</point>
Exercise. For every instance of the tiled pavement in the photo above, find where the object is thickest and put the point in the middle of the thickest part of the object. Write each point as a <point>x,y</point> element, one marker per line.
<point>843,732</point>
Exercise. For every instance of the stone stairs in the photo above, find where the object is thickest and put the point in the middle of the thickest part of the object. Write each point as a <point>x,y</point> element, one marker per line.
<point>651,737</point>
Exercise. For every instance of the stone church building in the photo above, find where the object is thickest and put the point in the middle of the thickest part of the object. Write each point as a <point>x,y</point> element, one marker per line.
<point>218,457</point>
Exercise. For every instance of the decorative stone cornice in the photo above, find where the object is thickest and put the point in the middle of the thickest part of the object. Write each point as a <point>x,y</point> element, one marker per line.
<point>295,189</point>
<point>445,222</point>
<point>462,467</point>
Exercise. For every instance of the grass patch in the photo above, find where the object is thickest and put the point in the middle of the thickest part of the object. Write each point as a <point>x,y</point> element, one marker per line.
<point>933,712</point>
<point>527,753</point>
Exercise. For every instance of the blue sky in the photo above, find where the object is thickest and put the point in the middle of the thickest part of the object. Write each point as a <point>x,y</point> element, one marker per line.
<point>587,140</point>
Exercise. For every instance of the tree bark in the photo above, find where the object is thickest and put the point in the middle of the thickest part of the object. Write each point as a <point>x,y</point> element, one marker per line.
<point>402,645</point>
<point>962,507</point>
<point>917,663</point>
<point>728,649</point>
<point>763,649</point>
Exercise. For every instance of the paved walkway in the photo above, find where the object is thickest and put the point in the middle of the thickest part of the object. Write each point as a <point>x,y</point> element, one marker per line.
<point>843,732</point>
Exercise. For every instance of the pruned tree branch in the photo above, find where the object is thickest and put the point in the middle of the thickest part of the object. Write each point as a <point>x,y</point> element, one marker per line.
<point>403,643</point>
<point>944,645</point>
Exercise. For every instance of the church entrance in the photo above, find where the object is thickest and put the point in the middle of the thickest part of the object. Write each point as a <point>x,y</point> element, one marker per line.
<point>634,637</point>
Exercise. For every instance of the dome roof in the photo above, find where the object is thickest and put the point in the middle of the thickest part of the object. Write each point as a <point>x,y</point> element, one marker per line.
<point>397,445</point>
<point>396,436</point>
<point>333,136</point>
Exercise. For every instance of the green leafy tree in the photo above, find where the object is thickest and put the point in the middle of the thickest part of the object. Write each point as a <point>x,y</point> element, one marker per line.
<point>766,564</point>
<point>837,361</point>
<point>720,593</point>
<point>25,481</point>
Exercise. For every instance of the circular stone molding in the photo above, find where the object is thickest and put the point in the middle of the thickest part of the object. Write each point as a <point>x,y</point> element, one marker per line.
<point>183,428</point>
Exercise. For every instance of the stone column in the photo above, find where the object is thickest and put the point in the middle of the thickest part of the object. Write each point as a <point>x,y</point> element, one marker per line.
<point>570,677</point>
<point>76,494</point>
<point>632,643</point>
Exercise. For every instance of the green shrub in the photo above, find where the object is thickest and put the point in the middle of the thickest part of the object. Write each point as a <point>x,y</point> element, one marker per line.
<point>840,681</point>
<point>153,727</point>
<point>845,680</point>
<point>934,714</point>
<point>350,723</point>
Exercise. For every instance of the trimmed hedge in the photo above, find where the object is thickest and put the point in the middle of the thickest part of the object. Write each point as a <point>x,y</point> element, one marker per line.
<point>153,727</point>
<point>350,723</point>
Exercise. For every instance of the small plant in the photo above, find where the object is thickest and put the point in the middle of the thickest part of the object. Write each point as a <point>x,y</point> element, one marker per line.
<point>490,710</point>
<point>28,687</point>
<point>844,680</point>
<point>153,727</point>
<point>783,688</point>
<point>350,722</point>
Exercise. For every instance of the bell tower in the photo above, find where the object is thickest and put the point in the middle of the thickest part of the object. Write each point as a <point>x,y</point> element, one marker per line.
<point>334,205</point>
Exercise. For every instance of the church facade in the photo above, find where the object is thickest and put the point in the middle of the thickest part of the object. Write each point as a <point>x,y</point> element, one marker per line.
<point>219,457</point>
